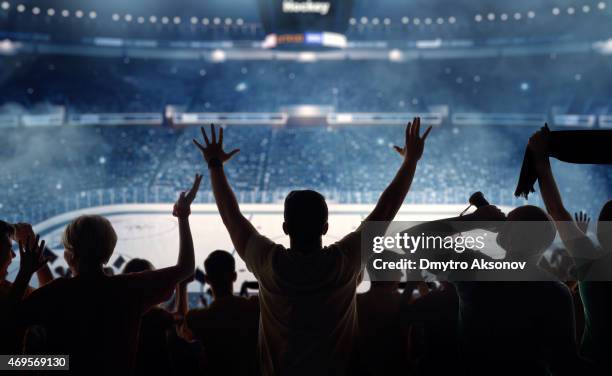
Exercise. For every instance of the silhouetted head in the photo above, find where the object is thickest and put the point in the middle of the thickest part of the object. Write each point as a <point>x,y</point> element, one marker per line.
<point>89,242</point>
<point>137,265</point>
<point>220,270</point>
<point>528,231</point>
<point>305,216</point>
<point>604,226</point>
<point>6,248</point>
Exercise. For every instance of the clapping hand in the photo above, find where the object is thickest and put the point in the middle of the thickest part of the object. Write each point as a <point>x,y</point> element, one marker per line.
<point>182,207</point>
<point>214,148</point>
<point>414,143</point>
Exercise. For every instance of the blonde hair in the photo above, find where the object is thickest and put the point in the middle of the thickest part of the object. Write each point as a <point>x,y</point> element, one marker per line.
<point>91,238</point>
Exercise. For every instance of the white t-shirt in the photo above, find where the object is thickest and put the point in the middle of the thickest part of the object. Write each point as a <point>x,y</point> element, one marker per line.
<point>308,322</point>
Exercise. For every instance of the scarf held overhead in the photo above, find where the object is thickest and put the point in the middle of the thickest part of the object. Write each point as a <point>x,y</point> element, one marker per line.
<point>592,147</point>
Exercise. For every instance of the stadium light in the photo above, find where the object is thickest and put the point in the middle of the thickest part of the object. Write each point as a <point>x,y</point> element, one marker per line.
<point>364,20</point>
<point>416,21</point>
<point>586,8</point>
<point>153,19</point>
<point>36,11</point>
<point>216,20</point>
<point>405,20</point>
<point>140,19</point>
<point>21,8</point>
<point>165,20</point>
<point>571,10</point>
<point>428,21</point>
<point>375,21</point>
<point>128,18</point>
<point>65,13</point>
<point>239,21</point>
<point>556,11</point>
<point>205,21</point>
<point>478,18</point>
<point>531,14</point>
<point>601,5</point>
<point>194,20</point>
<point>440,21</point>
<point>93,15</point>
<point>78,14</point>
<point>115,17</point>
<point>50,12</point>
<point>307,57</point>
<point>491,16</point>
<point>176,20</point>
<point>452,20</point>
<point>218,56</point>
<point>6,5</point>
<point>352,21</point>
<point>503,17</point>
<point>395,55</point>
<point>517,16</point>
<point>387,21</point>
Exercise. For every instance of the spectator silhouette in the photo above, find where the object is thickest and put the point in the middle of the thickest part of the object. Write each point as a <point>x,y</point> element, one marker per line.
<point>153,354</point>
<point>514,327</point>
<point>307,293</point>
<point>94,317</point>
<point>593,264</point>
<point>434,334</point>
<point>20,232</point>
<point>384,332</point>
<point>227,329</point>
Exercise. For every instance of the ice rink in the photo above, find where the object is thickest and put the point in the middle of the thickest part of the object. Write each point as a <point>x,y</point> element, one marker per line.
<point>150,231</point>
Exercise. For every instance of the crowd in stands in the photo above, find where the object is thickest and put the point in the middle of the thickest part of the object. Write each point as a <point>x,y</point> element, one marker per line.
<point>553,83</point>
<point>94,166</point>
<point>307,318</point>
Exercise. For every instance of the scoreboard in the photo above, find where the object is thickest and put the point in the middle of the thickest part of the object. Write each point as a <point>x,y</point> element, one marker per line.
<point>305,22</point>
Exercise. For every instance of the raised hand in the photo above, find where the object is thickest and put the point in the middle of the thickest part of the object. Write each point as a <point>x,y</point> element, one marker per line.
<point>24,233</point>
<point>414,143</point>
<point>539,141</point>
<point>582,221</point>
<point>214,148</point>
<point>182,207</point>
<point>31,256</point>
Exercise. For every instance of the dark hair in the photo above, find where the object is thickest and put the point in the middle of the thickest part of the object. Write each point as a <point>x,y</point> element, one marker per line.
<point>219,266</point>
<point>305,213</point>
<point>137,265</point>
<point>529,228</point>
<point>6,229</point>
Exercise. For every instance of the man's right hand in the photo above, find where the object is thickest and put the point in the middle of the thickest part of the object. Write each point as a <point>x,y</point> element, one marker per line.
<point>539,142</point>
<point>214,149</point>
<point>414,143</point>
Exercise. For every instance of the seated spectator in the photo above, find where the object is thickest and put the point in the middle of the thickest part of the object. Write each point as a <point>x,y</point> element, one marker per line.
<point>92,317</point>
<point>307,293</point>
<point>227,329</point>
